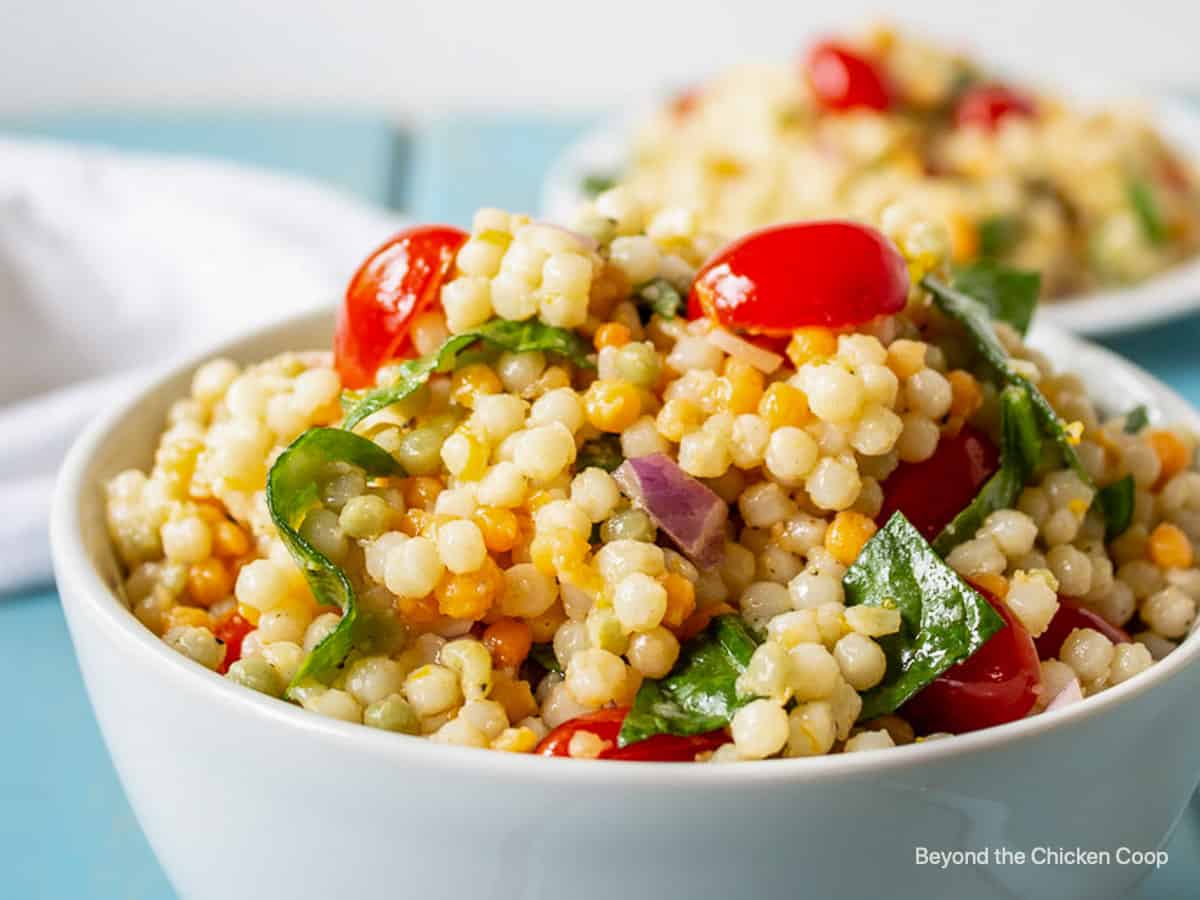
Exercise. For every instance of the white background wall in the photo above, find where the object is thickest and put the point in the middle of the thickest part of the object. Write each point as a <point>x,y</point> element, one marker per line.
<point>404,55</point>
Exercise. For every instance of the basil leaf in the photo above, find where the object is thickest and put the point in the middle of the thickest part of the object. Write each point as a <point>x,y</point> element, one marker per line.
<point>998,235</point>
<point>974,318</point>
<point>1010,295</point>
<point>515,337</point>
<point>597,183</point>
<point>291,495</point>
<point>700,694</point>
<point>943,621</point>
<point>603,452</point>
<point>543,655</point>
<point>1136,419</point>
<point>1020,453</point>
<point>660,296</point>
<point>1116,502</point>
<point>1145,206</point>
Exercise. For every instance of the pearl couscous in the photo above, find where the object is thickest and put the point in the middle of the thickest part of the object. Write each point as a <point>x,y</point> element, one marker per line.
<point>597,498</point>
<point>1087,197</point>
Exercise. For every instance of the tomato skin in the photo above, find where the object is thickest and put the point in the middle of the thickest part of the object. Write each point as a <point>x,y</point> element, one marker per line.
<point>933,492</point>
<point>232,629</point>
<point>984,107</point>
<point>783,277</point>
<point>997,684</point>
<point>1072,615</point>
<point>606,724</point>
<point>395,284</point>
<point>842,79</point>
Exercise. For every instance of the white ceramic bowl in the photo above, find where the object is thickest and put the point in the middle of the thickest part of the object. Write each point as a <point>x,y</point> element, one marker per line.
<point>242,795</point>
<point>1174,292</point>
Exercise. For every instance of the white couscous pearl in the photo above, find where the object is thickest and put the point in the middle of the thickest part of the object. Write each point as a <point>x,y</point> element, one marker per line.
<point>413,568</point>
<point>812,729</point>
<point>373,678</point>
<point>1129,660</point>
<point>432,689</point>
<point>791,454</point>
<point>764,600</point>
<point>834,395</point>
<point>528,592</point>
<point>595,492</point>
<point>1088,653</point>
<point>813,672</point>
<point>760,729</point>
<point>869,740</point>
<point>833,484</point>
<point>461,547</point>
<point>1169,612</point>
<point>640,602</point>
<point>653,652</point>
<point>1032,600</point>
<point>861,660</point>
<point>595,676</point>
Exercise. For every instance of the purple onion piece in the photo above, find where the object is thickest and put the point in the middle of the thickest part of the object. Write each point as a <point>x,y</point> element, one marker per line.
<point>691,515</point>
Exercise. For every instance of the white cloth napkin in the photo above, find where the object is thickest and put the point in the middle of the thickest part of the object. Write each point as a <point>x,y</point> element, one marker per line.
<point>113,264</point>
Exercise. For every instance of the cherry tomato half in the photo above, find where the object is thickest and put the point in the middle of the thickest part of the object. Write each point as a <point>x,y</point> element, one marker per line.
<point>777,279</point>
<point>606,723</point>
<point>997,684</point>
<point>933,492</point>
<point>397,283</point>
<point>1070,616</point>
<point>843,79</point>
<point>232,630</point>
<point>985,106</point>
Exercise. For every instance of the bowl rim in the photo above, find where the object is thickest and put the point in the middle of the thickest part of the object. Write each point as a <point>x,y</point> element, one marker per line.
<point>81,586</point>
<point>1168,294</point>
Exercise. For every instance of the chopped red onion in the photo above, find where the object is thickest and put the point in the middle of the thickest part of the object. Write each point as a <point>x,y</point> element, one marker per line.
<point>690,514</point>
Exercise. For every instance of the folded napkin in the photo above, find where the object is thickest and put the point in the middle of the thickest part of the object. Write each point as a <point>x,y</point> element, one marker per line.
<point>112,265</point>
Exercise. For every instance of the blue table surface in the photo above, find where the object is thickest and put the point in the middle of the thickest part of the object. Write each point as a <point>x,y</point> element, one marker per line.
<point>67,830</point>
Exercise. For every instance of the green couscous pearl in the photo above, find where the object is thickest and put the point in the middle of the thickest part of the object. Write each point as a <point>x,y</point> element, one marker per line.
<point>638,364</point>
<point>365,517</point>
<point>381,631</point>
<point>257,674</point>
<point>628,525</point>
<point>392,713</point>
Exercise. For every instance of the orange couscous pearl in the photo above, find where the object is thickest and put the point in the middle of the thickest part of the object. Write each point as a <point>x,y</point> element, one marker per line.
<point>421,492</point>
<point>1172,453</point>
<point>418,610</point>
<point>846,535</point>
<point>179,616</point>
<point>783,405</point>
<point>964,238</point>
<point>681,599</point>
<point>470,595</point>
<point>699,620</point>
<point>499,527</point>
<point>996,585</point>
<point>249,613</point>
<point>965,394</point>
<point>612,334</point>
<point>414,521</point>
<point>558,550</point>
<point>808,344</point>
<point>208,582</point>
<point>612,405</point>
<point>906,358</point>
<point>229,540</point>
<point>472,380</point>
<point>1169,548</point>
<point>515,695</point>
<point>509,641</point>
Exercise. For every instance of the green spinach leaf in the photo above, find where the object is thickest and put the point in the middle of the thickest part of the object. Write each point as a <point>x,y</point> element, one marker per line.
<point>974,318</point>
<point>1010,295</point>
<point>1116,502</point>
<point>502,334</point>
<point>943,621</point>
<point>292,495</point>
<point>1145,207</point>
<point>1136,419</point>
<point>1020,453</point>
<point>543,655</point>
<point>660,296</point>
<point>700,694</point>
<point>597,183</point>
<point>603,452</point>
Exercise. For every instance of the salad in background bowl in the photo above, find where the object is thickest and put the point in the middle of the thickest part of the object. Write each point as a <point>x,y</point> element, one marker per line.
<point>1101,197</point>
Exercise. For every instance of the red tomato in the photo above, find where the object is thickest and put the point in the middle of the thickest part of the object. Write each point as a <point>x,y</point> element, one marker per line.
<point>997,684</point>
<point>683,103</point>
<point>1070,616</point>
<point>985,106</point>
<point>777,279</point>
<point>606,723</point>
<point>933,492</point>
<point>232,629</point>
<point>842,79</point>
<point>397,283</point>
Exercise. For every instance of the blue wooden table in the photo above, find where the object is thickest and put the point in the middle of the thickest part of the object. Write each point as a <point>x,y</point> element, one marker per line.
<point>66,830</point>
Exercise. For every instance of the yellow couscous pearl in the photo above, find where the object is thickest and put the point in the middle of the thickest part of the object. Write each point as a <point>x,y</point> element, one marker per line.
<point>470,595</point>
<point>509,641</point>
<point>500,528</point>
<point>965,394</point>
<point>783,405</point>
<point>229,540</point>
<point>209,582</point>
<point>558,550</point>
<point>809,344</point>
<point>181,616</point>
<point>906,358</point>
<point>250,613</point>
<point>612,405</point>
<point>471,380</point>
<point>846,535</point>
<point>612,334</point>
<point>964,238</point>
<point>742,387</point>
<point>1169,548</point>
